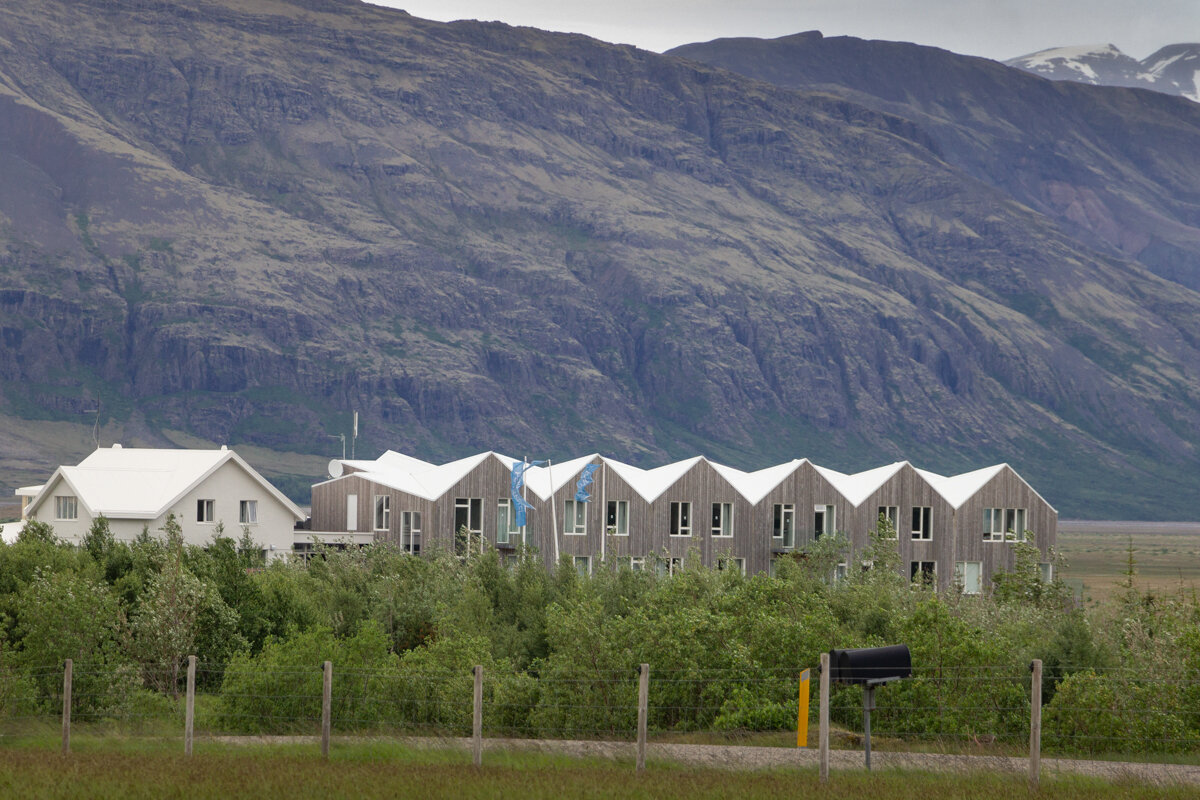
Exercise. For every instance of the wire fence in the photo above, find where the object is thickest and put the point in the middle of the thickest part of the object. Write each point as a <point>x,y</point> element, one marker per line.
<point>987,710</point>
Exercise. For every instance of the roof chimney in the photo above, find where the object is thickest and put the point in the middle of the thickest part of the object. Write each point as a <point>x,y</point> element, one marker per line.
<point>223,447</point>
<point>116,446</point>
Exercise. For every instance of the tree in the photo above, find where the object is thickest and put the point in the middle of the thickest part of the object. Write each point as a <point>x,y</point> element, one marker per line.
<point>99,539</point>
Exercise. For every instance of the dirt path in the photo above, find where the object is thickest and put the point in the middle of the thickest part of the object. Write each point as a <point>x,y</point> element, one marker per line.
<point>749,757</point>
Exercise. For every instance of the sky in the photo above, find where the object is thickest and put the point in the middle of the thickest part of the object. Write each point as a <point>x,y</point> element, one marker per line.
<point>998,29</point>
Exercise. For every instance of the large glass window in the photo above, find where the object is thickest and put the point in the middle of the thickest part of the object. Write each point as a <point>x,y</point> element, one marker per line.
<point>923,571</point>
<point>617,518</point>
<point>1003,524</point>
<point>921,522</point>
<point>468,513</point>
<point>575,518</point>
<point>66,507</point>
<point>969,575</point>
<point>383,512</point>
<point>248,512</point>
<point>785,524</point>
<point>824,521</point>
<point>681,519</point>
<point>722,519</point>
<point>507,531</point>
<point>888,518</point>
<point>410,531</point>
<point>205,510</point>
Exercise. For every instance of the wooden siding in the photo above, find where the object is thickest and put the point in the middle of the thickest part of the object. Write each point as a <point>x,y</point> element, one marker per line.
<point>957,534</point>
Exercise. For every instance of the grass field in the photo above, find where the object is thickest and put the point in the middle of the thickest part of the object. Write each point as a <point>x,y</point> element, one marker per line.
<point>1166,555</point>
<point>149,769</point>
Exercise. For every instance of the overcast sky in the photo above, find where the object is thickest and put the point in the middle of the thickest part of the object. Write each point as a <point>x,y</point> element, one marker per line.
<point>997,29</point>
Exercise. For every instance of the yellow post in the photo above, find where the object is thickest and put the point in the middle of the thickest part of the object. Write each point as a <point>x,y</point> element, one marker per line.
<point>802,717</point>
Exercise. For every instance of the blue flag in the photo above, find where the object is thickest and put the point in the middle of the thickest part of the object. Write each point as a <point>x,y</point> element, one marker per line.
<point>581,495</point>
<point>518,480</point>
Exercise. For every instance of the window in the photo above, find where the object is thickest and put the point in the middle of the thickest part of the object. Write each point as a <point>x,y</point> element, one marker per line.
<point>1047,570</point>
<point>248,512</point>
<point>506,522</point>
<point>736,564</point>
<point>351,512</point>
<point>1003,524</point>
<point>839,572</point>
<point>583,564</point>
<point>722,519</point>
<point>921,528</point>
<point>681,519</point>
<point>383,512</point>
<point>575,518</point>
<point>676,565</point>
<point>617,518</point>
<point>823,521</point>
<point>785,524</point>
<point>410,531</point>
<point>637,564</point>
<point>969,575</point>
<point>468,513</point>
<point>923,571</point>
<point>66,507</point>
<point>892,515</point>
<point>205,510</point>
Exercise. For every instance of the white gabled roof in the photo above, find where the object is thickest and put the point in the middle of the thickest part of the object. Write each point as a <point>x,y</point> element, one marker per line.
<point>143,483</point>
<point>754,486</point>
<point>651,483</point>
<point>958,489</point>
<point>858,487</point>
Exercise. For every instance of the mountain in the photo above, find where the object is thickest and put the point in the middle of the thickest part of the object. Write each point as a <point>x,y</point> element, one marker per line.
<point>1175,69</point>
<point>237,220</point>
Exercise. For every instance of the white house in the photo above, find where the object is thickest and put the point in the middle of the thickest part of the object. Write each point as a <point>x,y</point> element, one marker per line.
<point>137,488</point>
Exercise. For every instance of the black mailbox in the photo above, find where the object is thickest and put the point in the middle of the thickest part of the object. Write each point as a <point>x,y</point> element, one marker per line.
<point>870,666</point>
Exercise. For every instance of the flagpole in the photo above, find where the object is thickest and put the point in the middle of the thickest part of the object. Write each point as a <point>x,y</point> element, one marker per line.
<point>553,510</point>
<point>525,497</point>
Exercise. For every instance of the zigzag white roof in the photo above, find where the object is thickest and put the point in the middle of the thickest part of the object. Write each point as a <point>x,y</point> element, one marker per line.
<point>142,483</point>
<point>430,481</point>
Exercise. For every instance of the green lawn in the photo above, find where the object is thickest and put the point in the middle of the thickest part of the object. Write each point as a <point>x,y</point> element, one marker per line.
<point>123,768</point>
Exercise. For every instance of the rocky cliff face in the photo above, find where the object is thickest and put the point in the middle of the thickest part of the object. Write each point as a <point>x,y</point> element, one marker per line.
<point>243,218</point>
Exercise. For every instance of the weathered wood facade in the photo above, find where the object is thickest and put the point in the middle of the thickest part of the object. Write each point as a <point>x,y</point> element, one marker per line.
<point>694,511</point>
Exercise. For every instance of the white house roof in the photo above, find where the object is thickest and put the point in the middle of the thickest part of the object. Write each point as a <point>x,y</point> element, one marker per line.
<point>957,489</point>
<point>143,483</point>
<point>29,491</point>
<point>754,486</point>
<point>858,487</point>
<point>650,483</point>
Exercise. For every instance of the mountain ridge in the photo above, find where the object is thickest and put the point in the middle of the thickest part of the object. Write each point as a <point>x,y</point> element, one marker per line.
<point>242,219</point>
<point>1173,69</point>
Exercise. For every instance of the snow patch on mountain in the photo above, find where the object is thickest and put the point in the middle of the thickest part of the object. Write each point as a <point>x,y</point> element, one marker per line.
<point>1171,70</point>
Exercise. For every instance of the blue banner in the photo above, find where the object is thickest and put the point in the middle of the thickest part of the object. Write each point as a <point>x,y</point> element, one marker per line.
<point>518,480</point>
<point>581,495</point>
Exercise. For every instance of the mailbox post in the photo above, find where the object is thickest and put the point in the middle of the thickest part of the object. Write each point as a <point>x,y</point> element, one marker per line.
<point>870,667</point>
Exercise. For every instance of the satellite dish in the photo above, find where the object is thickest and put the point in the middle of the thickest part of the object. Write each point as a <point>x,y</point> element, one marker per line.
<point>335,468</point>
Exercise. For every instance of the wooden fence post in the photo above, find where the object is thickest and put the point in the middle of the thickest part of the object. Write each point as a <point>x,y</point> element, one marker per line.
<point>824,717</point>
<point>643,708</point>
<point>189,707</point>
<point>1035,724</point>
<point>477,718</point>
<point>326,707</point>
<point>68,668</point>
